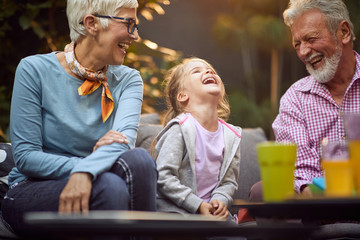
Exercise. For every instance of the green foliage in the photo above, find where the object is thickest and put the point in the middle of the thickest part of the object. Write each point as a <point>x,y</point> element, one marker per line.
<point>246,113</point>
<point>354,6</point>
<point>5,111</point>
<point>268,31</point>
<point>152,65</point>
<point>252,21</point>
<point>255,29</point>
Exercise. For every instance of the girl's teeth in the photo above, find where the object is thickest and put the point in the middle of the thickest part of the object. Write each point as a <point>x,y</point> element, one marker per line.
<point>211,80</point>
<point>123,45</point>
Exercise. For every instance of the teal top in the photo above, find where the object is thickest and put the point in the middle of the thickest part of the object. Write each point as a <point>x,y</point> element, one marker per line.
<point>53,129</point>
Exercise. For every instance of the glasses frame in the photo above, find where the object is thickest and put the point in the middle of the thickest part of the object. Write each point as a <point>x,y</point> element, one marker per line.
<point>128,22</point>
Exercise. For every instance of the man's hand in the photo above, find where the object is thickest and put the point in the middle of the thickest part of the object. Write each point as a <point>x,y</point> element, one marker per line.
<point>306,192</point>
<point>111,137</point>
<point>76,194</point>
<point>220,208</point>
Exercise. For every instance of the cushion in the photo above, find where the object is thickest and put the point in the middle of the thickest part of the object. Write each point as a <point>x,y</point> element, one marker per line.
<point>149,118</point>
<point>249,168</point>
<point>146,135</point>
<point>149,127</point>
<point>6,163</point>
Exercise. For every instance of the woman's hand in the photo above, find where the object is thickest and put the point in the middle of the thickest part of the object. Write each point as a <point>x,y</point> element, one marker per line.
<point>75,196</point>
<point>220,208</point>
<point>111,137</point>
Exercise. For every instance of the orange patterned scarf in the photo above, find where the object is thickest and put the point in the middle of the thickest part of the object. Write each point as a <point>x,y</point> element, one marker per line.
<point>92,81</point>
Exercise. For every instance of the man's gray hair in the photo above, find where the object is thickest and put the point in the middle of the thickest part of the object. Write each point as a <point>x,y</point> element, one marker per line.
<point>76,10</point>
<point>334,12</point>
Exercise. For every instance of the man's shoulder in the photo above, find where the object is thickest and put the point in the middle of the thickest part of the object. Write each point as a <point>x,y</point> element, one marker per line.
<point>303,85</point>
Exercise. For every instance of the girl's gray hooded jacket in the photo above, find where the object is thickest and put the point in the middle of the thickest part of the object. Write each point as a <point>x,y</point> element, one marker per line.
<point>175,161</point>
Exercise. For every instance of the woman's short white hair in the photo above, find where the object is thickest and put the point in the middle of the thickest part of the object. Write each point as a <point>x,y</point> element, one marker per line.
<point>76,10</point>
<point>334,12</point>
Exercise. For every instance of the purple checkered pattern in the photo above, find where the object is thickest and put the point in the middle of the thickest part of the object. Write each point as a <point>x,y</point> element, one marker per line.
<point>307,114</point>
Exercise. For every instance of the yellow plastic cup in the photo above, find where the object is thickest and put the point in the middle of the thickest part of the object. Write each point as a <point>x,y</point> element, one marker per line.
<point>339,178</point>
<point>277,165</point>
<point>354,147</point>
<point>338,168</point>
<point>352,130</point>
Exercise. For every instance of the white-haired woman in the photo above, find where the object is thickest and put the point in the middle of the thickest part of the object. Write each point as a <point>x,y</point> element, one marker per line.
<point>74,118</point>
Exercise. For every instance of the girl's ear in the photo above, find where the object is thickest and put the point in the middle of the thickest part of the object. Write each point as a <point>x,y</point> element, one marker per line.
<point>91,24</point>
<point>182,97</point>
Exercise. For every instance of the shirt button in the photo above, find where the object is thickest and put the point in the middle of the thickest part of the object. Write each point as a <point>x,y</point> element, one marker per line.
<point>343,137</point>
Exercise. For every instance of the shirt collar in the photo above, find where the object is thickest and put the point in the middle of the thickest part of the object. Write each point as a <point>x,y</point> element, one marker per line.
<point>357,68</point>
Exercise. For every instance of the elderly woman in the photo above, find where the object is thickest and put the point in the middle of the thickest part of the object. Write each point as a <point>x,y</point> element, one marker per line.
<point>74,118</point>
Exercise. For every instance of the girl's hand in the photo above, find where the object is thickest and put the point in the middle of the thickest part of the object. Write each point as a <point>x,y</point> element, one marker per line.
<point>220,209</point>
<point>206,209</point>
<point>111,137</point>
<point>75,196</point>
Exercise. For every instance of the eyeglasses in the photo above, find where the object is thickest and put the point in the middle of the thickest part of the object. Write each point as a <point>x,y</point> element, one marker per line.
<point>131,24</point>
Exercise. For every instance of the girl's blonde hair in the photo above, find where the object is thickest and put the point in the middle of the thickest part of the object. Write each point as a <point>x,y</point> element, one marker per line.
<point>173,85</point>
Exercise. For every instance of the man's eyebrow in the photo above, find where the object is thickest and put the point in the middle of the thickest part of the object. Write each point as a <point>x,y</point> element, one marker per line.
<point>295,41</point>
<point>310,34</point>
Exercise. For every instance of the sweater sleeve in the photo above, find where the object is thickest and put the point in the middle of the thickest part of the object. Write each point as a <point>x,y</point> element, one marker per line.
<point>26,129</point>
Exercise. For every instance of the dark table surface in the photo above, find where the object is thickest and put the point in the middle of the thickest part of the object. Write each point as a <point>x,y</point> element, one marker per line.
<point>120,223</point>
<point>320,208</point>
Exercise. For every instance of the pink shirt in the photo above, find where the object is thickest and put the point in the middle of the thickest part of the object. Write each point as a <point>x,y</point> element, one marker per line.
<point>307,114</point>
<point>209,156</point>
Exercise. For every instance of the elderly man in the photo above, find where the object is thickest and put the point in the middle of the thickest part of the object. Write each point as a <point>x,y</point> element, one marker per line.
<point>311,108</point>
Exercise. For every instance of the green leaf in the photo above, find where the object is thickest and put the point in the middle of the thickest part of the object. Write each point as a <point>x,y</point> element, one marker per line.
<point>36,7</point>
<point>25,22</point>
<point>39,31</point>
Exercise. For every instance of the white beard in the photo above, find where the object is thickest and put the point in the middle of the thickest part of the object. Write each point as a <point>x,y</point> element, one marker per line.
<point>325,73</point>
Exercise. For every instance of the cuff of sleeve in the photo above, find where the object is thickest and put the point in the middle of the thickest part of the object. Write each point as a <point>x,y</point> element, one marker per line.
<point>222,198</point>
<point>300,184</point>
<point>192,203</point>
<point>93,176</point>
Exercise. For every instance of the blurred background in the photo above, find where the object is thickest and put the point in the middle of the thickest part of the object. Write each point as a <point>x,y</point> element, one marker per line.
<point>246,41</point>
